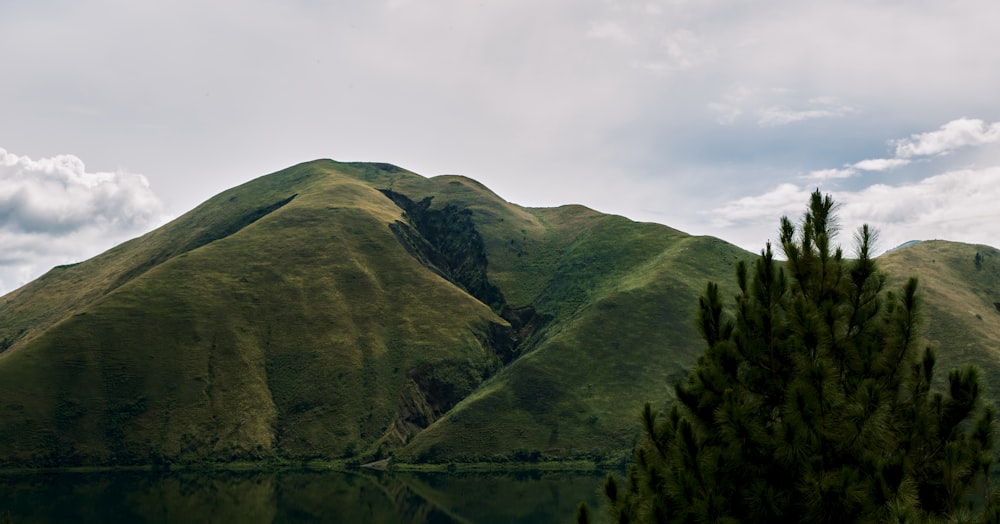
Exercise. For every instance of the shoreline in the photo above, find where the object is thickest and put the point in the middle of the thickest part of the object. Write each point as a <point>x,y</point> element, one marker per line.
<point>580,466</point>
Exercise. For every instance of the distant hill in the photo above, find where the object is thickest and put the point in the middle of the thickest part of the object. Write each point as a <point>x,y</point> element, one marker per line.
<point>904,245</point>
<point>961,291</point>
<point>349,310</point>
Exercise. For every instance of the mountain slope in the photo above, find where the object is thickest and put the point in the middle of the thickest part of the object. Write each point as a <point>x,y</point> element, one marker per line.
<point>623,333</point>
<point>337,310</point>
<point>961,290</point>
<point>243,329</point>
<point>620,297</point>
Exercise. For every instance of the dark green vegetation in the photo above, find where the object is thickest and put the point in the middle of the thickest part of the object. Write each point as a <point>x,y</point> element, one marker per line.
<point>354,311</point>
<point>814,402</point>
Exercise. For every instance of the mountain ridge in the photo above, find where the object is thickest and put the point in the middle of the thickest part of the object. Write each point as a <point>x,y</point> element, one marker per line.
<point>288,318</point>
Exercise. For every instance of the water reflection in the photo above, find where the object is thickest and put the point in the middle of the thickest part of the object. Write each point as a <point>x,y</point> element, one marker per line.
<point>295,497</point>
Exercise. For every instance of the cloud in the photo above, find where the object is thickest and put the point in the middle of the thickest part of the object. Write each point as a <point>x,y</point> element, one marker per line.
<point>957,205</point>
<point>544,102</point>
<point>821,107</point>
<point>828,174</point>
<point>741,99</point>
<point>950,203</point>
<point>785,199</point>
<point>53,211</point>
<point>956,134</point>
<point>776,106</point>
<point>880,164</point>
<point>654,43</point>
<point>850,170</point>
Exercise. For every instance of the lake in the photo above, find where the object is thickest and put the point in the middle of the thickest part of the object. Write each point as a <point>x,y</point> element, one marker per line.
<point>296,496</point>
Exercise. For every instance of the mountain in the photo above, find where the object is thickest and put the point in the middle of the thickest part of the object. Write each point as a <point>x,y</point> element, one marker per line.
<point>353,310</point>
<point>961,292</point>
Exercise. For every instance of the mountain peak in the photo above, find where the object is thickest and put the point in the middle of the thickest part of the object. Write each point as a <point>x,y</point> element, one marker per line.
<point>348,310</point>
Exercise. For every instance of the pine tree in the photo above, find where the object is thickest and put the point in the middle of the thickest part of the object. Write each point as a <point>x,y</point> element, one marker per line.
<point>813,403</point>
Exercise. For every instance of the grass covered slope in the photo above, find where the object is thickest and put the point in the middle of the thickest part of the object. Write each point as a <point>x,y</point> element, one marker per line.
<point>620,300</point>
<point>623,300</point>
<point>286,318</point>
<point>305,314</point>
<point>961,289</point>
<point>243,329</point>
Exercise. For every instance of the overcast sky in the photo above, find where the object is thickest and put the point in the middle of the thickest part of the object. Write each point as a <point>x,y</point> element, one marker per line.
<point>713,117</point>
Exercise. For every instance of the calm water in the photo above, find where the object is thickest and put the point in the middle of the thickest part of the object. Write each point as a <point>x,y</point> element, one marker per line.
<point>296,497</point>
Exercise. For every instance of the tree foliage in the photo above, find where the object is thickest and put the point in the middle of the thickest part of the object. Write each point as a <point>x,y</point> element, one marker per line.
<point>813,402</point>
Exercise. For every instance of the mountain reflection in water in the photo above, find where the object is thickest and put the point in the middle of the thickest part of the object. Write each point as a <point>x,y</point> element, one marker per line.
<point>301,496</point>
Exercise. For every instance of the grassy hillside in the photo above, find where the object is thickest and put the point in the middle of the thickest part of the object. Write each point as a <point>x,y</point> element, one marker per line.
<point>243,329</point>
<point>623,333</point>
<point>329,311</point>
<point>961,290</point>
<point>621,297</point>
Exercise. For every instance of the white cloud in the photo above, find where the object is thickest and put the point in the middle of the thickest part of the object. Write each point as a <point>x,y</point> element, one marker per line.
<point>778,115</point>
<point>655,44</point>
<point>953,204</point>
<point>828,174</point>
<point>880,164</point>
<point>511,93</point>
<point>819,107</point>
<point>740,99</point>
<point>956,205</point>
<point>776,106</point>
<point>785,199</point>
<point>53,211</point>
<point>851,170</point>
<point>956,134</point>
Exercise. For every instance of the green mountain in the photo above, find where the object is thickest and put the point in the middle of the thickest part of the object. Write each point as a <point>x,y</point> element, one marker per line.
<point>339,310</point>
<point>961,291</point>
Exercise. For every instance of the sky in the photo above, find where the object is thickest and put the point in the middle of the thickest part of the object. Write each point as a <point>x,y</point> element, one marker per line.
<point>713,117</point>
